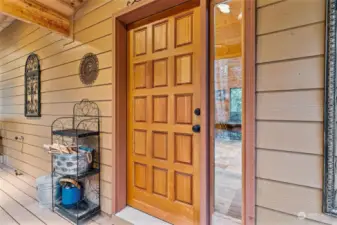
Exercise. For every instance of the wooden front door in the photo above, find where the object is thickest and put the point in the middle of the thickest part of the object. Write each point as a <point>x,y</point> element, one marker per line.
<point>163,93</point>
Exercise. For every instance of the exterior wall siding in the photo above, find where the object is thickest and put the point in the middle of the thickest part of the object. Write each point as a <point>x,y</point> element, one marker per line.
<point>60,86</point>
<point>290,75</point>
<point>290,82</point>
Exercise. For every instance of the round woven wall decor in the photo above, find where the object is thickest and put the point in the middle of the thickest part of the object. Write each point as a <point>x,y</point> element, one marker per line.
<point>89,69</point>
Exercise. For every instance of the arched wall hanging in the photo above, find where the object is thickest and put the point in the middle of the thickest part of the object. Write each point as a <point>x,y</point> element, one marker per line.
<point>32,86</point>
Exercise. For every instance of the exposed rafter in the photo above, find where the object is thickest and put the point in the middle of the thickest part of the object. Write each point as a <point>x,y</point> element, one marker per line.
<point>34,12</point>
<point>72,3</point>
<point>59,6</point>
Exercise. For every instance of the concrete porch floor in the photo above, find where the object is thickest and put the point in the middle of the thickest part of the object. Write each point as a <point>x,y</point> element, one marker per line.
<point>19,205</point>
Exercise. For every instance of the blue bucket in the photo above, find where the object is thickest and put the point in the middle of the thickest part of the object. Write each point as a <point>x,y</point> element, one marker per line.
<point>70,195</point>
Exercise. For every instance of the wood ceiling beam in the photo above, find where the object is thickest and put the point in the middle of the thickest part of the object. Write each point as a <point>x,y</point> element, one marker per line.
<point>34,12</point>
<point>66,3</point>
<point>58,6</point>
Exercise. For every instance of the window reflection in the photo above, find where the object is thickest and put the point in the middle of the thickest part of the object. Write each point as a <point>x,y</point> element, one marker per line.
<point>228,114</point>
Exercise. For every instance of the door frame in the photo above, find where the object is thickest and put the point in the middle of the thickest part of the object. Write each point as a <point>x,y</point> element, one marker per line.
<point>147,8</point>
<point>120,20</point>
<point>248,109</point>
<point>249,112</point>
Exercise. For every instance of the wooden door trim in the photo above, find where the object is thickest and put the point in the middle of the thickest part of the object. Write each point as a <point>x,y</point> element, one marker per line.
<point>136,12</point>
<point>204,93</point>
<point>249,111</point>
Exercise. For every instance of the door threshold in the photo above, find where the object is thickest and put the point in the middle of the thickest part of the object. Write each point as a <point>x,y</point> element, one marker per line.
<point>137,217</point>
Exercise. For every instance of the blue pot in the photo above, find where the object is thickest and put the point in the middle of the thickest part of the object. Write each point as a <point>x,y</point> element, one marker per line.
<point>70,195</point>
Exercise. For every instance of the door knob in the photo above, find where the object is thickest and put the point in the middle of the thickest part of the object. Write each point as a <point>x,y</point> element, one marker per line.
<point>197,112</point>
<point>196,128</point>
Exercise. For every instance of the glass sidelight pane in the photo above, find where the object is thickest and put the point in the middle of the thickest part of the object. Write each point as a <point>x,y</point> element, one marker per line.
<point>227,103</point>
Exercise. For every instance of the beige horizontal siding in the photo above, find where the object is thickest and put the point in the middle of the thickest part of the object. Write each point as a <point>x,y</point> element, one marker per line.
<point>17,31</point>
<point>34,36</point>
<point>290,100</point>
<point>105,61</point>
<point>62,48</point>
<point>293,105</point>
<point>37,162</point>
<point>23,166</point>
<point>105,77</point>
<point>61,87</point>
<point>102,13</point>
<point>47,120</point>
<point>100,45</point>
<point>44,41</point>
<point>301,169</point>
<point>56,109</point>
<point>294,43</point>
<point>12,74</point>
<point>32,147</point>
<point>13,87</point>
<point>96,93</point>
<point>10,130</point>
<point>261,3</point>
<point>26,148</point>
<point>288,14</point>
<point>290,75</point>
<point>89,7</point>
<point>292,199</point>
<point>290,136</point>
<point>266,216</point>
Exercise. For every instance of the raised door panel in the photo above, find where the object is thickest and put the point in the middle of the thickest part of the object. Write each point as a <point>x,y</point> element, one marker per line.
<point>140,71</point>
<point>159,148</point>
<point>183,188</point>
<point>139,139</point>
<point>183,69</point>
<point>140,42</point>
<point>184,108</point>
<point>160,36</point>
<point>160,73</point>
<point>160,109</point>
<point>140,175</point>
<point>184,30</point>
<point>140,109</point>
<point>183,148</point>
<point>160,181</point>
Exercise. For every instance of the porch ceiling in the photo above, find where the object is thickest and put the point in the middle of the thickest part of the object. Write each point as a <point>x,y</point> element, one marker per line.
<point>52,14</point>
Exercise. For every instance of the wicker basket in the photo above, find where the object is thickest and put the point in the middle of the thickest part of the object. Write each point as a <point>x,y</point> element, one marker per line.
<point>66,164</point>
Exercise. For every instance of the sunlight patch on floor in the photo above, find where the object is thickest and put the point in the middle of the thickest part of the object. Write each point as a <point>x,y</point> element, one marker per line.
<point>137,217</point>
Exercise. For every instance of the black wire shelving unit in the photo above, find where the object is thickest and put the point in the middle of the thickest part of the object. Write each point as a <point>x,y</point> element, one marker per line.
<point>82,129</point>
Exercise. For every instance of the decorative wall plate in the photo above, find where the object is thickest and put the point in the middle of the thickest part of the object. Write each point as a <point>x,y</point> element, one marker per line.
<point>89,69</point>
<point>32,86</point>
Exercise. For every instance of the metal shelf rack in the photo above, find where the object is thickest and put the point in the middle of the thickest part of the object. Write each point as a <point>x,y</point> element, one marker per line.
<point>82,129</point>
